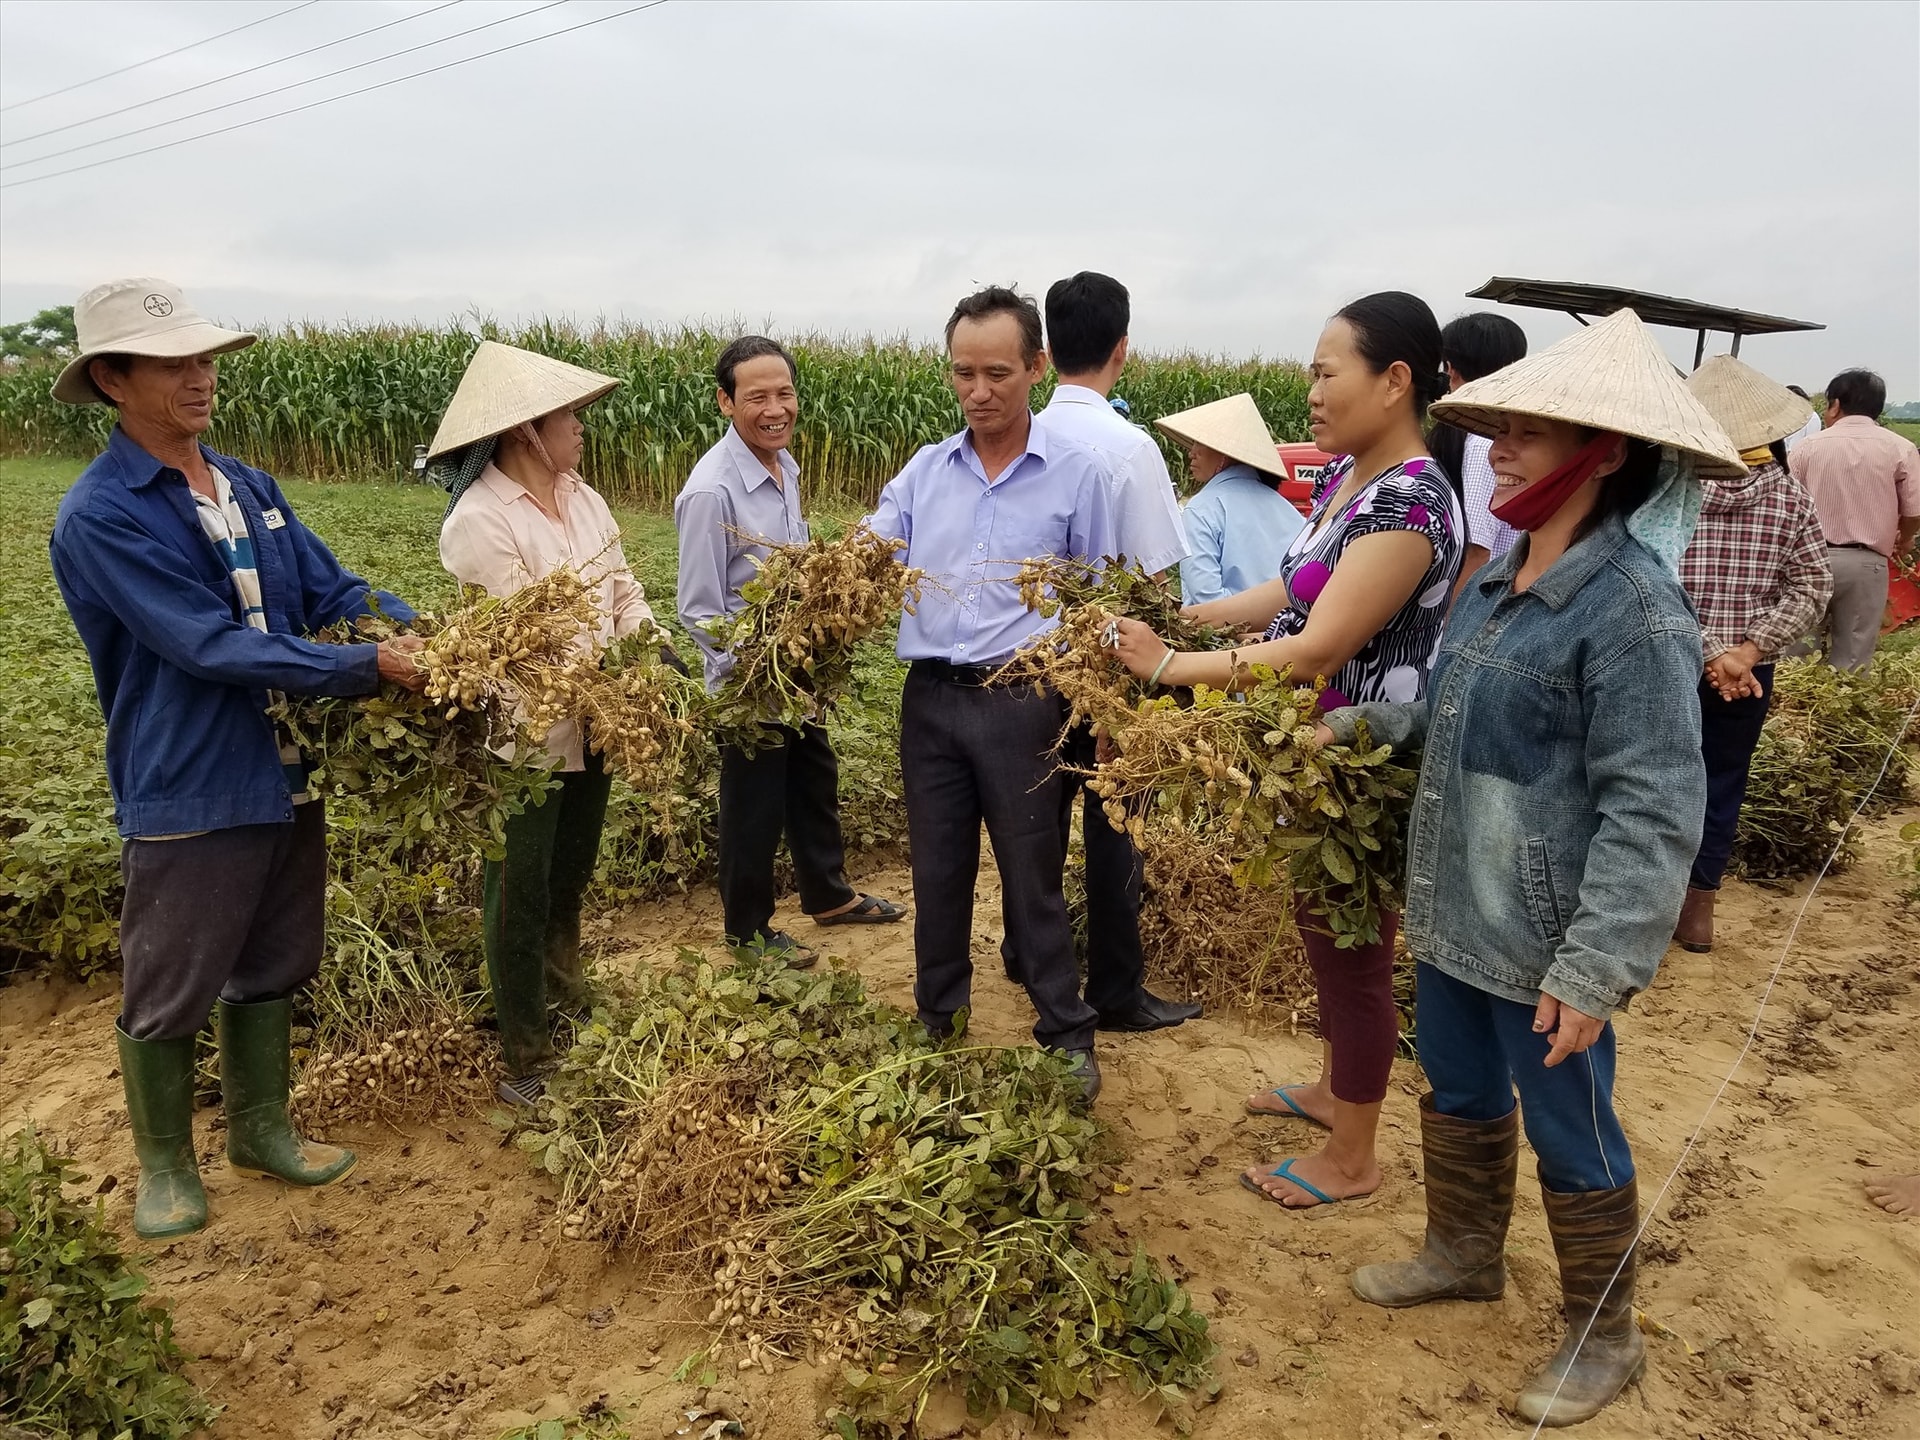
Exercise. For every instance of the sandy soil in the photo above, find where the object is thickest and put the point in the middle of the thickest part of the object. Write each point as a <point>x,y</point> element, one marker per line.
<point>429,1294</point>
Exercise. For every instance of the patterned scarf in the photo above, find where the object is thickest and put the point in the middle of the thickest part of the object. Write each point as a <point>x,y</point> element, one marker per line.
<point>456,471</point>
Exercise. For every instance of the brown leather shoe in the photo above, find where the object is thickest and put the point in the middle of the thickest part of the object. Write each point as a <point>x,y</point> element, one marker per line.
<point>1695,930</point>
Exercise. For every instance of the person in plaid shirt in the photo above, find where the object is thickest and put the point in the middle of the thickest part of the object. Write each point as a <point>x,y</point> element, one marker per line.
<point>1757,572</point>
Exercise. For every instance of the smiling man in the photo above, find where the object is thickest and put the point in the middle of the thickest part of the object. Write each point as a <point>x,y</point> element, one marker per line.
<point>971,508</point>
<point>742,499</point>
<point>191,582</point>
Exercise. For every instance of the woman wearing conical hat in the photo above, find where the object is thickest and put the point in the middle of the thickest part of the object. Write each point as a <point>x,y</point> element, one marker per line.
<point>1758,574</point>
<point>1558,809</point>
<point>1238,524</point>
<point>509,450</point>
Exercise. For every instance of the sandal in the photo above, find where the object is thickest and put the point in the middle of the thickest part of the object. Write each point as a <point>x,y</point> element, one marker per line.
<point>865,910</point>
<point>1285,1099</point>
<point>1284,1171</point>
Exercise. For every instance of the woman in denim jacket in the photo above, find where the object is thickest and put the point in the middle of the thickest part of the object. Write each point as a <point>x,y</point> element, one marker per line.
<point>1558,810</point>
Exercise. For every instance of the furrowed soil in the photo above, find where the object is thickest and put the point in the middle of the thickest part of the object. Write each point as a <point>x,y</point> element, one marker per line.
<point>430,1294</point>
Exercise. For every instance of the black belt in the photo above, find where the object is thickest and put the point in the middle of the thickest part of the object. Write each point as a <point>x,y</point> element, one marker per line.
<point>1855,545</point>
<point>973,675</point>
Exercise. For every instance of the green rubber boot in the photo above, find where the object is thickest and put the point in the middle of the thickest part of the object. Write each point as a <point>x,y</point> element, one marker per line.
<point>158,1078</point>
<point>255,1061</point>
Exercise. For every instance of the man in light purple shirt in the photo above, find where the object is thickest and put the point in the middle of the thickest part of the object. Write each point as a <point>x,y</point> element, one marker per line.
<point>742,499</point>
<point>971,508</point>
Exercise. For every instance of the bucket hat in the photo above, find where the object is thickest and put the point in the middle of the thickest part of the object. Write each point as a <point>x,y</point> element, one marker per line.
<point>1609,376</point>
<point>1752,409</point>
<point>1232,426</point>
<point>505,386</point>
<point>138,316</point>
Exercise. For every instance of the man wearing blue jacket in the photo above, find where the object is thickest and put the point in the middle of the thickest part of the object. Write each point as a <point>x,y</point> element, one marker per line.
<point>191,581</point>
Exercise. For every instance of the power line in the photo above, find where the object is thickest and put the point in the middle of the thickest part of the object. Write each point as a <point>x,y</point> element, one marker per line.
<point>279,89</point>
<point>263,65</point>
<point>82,84</point>
<point>348,95</point>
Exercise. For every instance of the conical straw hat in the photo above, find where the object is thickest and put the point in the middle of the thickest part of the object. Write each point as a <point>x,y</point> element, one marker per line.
<point>504,386</point>
<point>1608,376</point>
<point>1752,409</point>
<point>1232,426</point>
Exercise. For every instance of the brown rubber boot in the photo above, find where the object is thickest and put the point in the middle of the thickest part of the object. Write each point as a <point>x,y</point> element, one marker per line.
<point>1695,930</point>
<point>1602,1352</point>
<point>1470,1167</point>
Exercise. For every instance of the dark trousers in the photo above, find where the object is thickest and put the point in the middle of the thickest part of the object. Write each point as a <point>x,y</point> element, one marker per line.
<point>1729,731</point>
<point>1357,1019</point>
<point>532,916</point>
<point>1476,1047</point>
<point>968,754</point>
<point>1116,965</point>
<point>790,789</point>
<point>236,914</point>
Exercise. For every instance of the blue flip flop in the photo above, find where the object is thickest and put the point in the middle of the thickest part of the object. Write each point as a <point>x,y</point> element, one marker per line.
<point>1287,1100</point>
<point>1284,1171</point>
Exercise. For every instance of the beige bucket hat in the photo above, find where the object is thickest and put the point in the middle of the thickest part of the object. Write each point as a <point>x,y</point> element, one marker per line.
<point>505,386</point>
<point>139,316</point>
<point>1609,376</point>
<point>1752,409</point>
<point>1232,426</point>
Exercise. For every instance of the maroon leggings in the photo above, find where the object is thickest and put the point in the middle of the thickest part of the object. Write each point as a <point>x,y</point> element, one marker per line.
<point>1357,1017</point>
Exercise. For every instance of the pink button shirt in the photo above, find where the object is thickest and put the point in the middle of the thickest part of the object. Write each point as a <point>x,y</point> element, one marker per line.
<point>1864,480</point>
<point>500,538</point>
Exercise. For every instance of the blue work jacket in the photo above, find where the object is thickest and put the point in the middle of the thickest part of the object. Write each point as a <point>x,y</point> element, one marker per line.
<point>183,680</point>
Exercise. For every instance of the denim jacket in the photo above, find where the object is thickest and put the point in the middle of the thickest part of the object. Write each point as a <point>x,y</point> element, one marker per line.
<point>183,680</point>
<point>1561,790</point>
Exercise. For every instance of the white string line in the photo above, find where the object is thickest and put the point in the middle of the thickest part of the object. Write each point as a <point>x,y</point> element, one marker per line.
<point>282,89</point>
<point>222,79</point>
<point>154,59</point>
<point>328,100</point>
<point>1753,1032</point>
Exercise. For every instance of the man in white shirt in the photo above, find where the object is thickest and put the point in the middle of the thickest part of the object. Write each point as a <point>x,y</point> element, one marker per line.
<point>1812,427</point>
<point>1087,319</point>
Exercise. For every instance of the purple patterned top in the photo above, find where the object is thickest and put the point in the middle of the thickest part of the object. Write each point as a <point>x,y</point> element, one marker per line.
<point>1415,496</point>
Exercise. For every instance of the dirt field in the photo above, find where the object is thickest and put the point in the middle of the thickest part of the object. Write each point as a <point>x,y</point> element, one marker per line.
<point>429,1295</point>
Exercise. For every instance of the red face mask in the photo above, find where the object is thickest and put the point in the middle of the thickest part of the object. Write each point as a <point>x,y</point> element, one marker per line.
<point>1541,501</point>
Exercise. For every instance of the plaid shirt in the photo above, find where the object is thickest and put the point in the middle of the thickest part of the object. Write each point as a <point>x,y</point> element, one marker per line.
<point>1757,568</point>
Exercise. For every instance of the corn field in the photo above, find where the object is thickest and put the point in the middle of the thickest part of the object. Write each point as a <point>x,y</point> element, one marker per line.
<point>353,403</point>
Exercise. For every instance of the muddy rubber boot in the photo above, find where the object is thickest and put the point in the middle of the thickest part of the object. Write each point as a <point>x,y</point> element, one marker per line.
<point>255,1062</point>
<point>1593,1234</point>
<point>1471,1166</point>
<point>1695,930</point>
<point>158,1078</point>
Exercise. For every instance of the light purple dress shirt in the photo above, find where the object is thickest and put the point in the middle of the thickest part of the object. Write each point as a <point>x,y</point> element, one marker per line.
<point>970,536</point>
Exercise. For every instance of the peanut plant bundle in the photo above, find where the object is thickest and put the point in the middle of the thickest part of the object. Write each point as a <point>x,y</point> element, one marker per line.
<point>806,611</point>
<point>827,1183</point>
<point>1239,772</point>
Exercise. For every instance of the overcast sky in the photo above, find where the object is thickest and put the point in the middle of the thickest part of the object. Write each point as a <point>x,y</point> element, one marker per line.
<point>1244,169</point>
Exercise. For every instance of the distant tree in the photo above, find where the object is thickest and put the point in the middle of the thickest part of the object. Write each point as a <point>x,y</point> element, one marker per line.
<point>47,336</point>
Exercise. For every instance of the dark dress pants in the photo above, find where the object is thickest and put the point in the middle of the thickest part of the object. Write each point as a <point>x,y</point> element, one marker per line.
<point>1729,733</point>
<point>1116,965</point>
<point>970,754</point>
<point>791,789</point>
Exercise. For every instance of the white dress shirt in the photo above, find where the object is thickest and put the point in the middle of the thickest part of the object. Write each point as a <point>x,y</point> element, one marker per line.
<point>1146,516</point>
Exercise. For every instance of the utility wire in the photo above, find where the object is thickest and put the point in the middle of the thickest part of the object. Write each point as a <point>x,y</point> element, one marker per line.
<point>315,104</point>
<point>278,89</point>
<point>263,65</point>
<point>154,59</point>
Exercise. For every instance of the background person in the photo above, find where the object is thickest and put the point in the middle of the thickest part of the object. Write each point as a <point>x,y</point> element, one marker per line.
<point>1474,346</point>
<point>1360,599</point>
<point>510,446</point>
<point>1809,426</point>
<point>1865,482</point>
<point>1757,574</point>
<point>1238,524</point>
<point>1087,318</point>
<point>741,499</point>
<point>971,508</point>
<point>190,580</point>
<point>1559,803</point>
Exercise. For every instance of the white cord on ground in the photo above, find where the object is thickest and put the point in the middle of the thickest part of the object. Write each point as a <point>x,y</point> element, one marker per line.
<point>1753,1033</point>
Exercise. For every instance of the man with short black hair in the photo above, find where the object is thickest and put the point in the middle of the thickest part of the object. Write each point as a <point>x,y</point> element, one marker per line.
<point>971,508</point>
<point>1088,315</point>
<point>742,499</point>
<point>1865,482</point>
